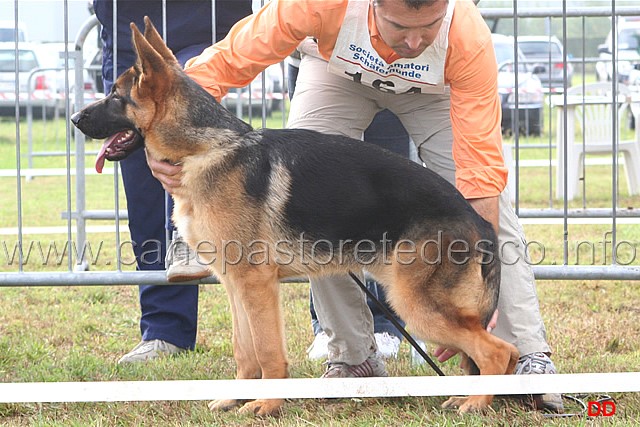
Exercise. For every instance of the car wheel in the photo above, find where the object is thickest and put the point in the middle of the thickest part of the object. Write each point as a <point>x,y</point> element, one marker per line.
<point>535,122</point>
<point>40,113</point>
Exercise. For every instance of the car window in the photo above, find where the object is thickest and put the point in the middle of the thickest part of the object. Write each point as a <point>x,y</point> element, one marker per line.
<point>540,48</point>
<point>26,60</point>
<point>629,39</point>
<point>9,35</point>
<point>504,53</point>
<point>56,59</point>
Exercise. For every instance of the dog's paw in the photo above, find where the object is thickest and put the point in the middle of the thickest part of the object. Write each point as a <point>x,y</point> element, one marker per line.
<point>454,402</point>
<point>468,404</point>
<point>476,404</point>
<point>224,404</point>
<point>263,407</point>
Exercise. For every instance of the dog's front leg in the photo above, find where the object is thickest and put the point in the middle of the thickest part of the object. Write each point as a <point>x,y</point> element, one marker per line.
<point>258,290</point>
<point>247,366</point>
<point>258,339</point>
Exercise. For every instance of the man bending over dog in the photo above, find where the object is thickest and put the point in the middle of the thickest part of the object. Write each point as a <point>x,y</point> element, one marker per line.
<point>432,63</point>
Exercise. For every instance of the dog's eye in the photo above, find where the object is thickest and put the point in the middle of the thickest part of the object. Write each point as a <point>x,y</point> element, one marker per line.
<point>115,97</point>
<point>113,93</point>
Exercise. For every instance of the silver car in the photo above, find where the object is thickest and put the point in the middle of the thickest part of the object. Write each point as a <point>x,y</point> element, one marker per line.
<point>36,88</point>
<point>55,58</point>
<point>549,56</point>
<point>273,94</point>
<point>528,111</point>
<point>628,52</point>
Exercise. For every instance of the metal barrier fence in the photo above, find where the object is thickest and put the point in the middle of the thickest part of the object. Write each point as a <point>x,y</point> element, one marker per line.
<point>517,147</point>
<point>562,211</point>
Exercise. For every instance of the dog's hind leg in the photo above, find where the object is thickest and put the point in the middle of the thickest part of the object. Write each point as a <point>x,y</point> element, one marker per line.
<point>492,356</point>
<point>247,366</point>
<point>258,292</point>
<point>451,314</point>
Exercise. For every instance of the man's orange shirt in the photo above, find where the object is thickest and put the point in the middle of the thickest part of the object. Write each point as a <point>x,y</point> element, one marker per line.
<point>270,35</point>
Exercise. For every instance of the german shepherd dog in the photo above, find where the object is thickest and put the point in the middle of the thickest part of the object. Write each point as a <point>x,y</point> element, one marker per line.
<point>300,203</point>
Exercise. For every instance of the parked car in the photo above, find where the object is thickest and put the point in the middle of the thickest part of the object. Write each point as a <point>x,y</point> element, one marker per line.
<point>8,32</point>
<point>628,52</point>
<point>93,64</point>
<point>43,84</point>
<point>634,84</point>
<point>634,76</point>
<point>530,93</point>
<point>549,56</point>
<point>277,74</point>
<point>273,93</point>
<point>56,53</point>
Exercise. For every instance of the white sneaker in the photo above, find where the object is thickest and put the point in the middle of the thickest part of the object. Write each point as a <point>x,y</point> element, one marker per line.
<point>147,350</point>
<point>388,345</point>
<point>319,348</point>
<point>416,358</point>
<point>181,262</point>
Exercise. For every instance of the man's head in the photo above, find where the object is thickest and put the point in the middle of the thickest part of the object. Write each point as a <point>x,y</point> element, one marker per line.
<point>409,26</point>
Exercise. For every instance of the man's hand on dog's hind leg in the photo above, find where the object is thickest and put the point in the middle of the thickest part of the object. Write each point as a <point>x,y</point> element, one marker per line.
<point>443,354</point>
<point>263,407</point>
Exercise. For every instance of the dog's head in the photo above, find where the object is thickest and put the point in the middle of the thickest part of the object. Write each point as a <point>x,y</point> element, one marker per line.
<point>139,105</point>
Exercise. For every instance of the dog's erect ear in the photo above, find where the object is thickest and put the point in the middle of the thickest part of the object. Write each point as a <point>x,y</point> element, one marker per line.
<point>154,38</point>
<point>153,67</point>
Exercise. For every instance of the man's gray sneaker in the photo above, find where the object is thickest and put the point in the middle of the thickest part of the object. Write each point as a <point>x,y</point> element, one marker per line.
<point>147,350</point>
<point>182,263</point>
<point>372,367</point>
<point>540,363</point>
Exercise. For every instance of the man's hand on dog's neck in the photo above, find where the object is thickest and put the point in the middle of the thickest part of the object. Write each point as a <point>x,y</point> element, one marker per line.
<point>169,175</point>
<point>488,208</point>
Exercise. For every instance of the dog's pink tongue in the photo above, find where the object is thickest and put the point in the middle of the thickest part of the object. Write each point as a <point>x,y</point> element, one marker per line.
<point>102,155</point>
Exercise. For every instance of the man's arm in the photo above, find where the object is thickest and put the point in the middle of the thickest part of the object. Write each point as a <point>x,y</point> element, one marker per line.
<point>472,73</point>
<point>262,39</point>
<point>475,122</point>
<point>488,208</point>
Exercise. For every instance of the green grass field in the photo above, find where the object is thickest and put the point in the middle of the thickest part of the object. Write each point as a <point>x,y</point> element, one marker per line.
<point>78,333</point>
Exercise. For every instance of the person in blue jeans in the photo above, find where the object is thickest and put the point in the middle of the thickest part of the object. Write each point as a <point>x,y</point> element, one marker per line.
<point>385,131</point>
<point>169,313</point>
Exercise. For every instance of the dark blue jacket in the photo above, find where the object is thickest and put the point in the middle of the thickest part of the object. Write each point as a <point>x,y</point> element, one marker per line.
<point>189,28</point>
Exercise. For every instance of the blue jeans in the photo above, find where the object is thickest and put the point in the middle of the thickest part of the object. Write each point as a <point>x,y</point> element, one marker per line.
<point>168,312</point>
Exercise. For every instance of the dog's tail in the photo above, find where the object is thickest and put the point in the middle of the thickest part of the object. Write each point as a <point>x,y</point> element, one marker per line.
<point>473,368</point>
<point>490,270</point>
